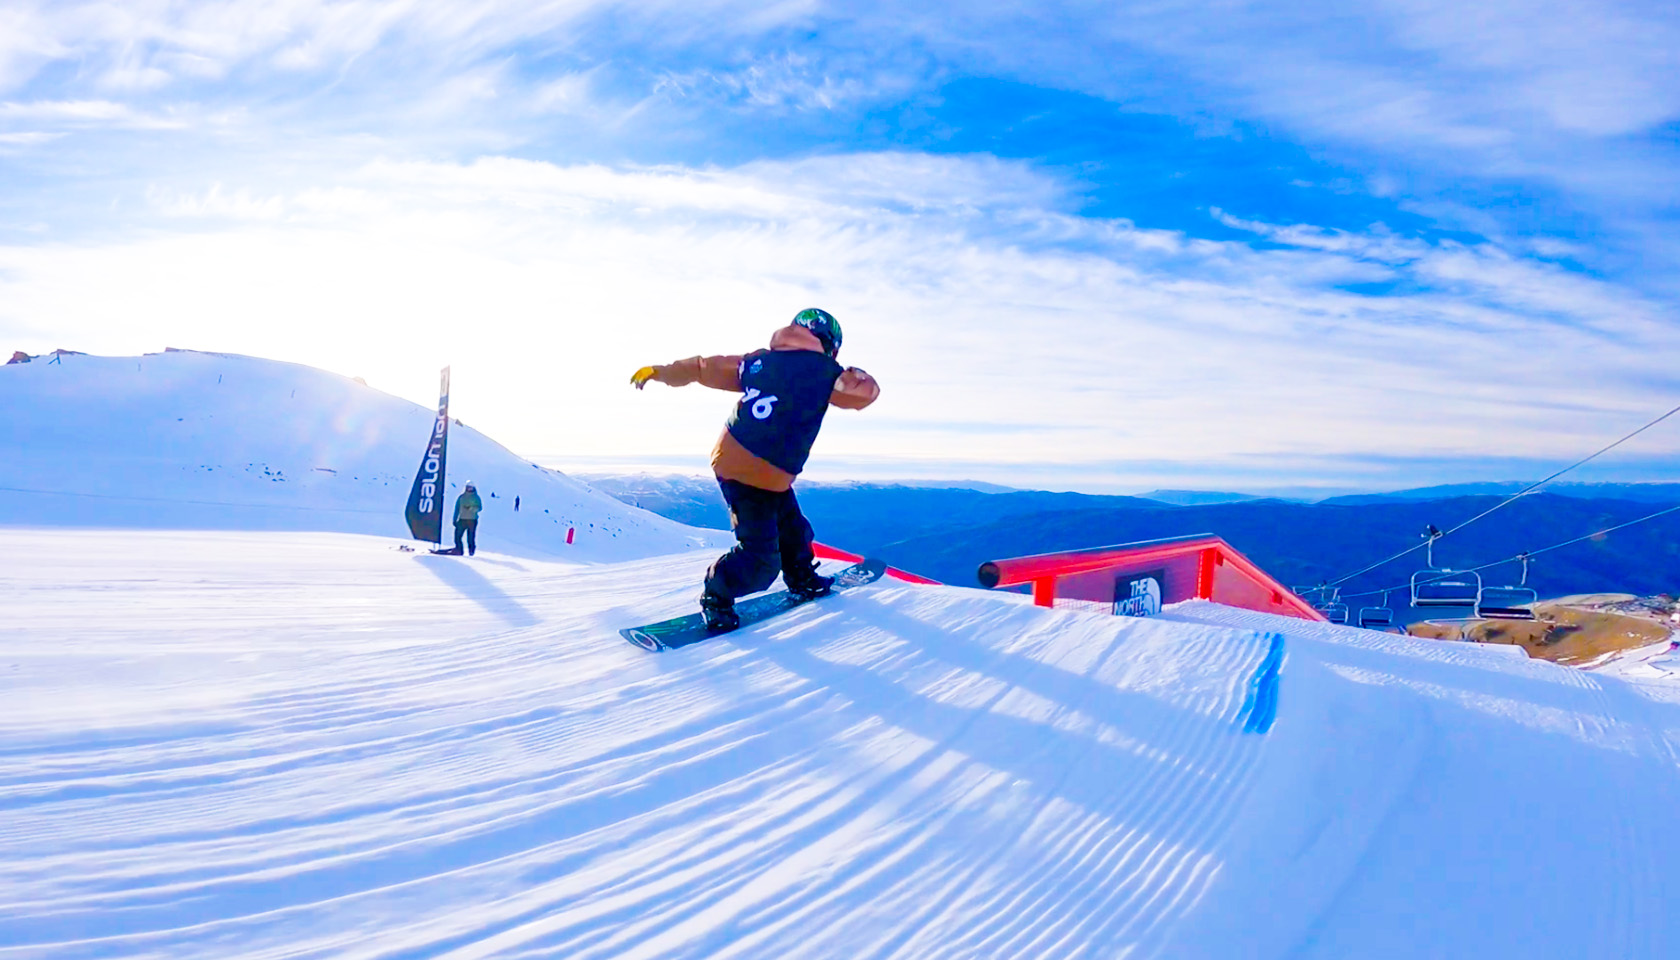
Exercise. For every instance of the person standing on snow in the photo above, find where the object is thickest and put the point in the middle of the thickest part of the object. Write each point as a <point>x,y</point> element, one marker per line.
<point>785,391</point>
<point>467,506</point>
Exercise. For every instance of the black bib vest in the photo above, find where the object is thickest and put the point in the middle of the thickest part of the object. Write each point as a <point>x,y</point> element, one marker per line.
<point>784,395</point>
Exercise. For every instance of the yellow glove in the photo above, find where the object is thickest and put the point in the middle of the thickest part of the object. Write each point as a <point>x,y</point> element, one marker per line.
<point>640,378</point>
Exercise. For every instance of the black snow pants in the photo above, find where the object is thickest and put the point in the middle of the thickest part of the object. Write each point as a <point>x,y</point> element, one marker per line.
<point>470,528</point>
<point>771,535</point>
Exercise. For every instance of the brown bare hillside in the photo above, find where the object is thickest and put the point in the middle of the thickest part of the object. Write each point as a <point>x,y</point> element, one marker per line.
<point>1562,634</point>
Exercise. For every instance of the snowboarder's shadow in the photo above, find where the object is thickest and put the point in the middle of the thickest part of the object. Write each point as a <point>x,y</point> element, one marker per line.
<point>478,588</point>
<point>511,565</point>
<point>1030,749</point>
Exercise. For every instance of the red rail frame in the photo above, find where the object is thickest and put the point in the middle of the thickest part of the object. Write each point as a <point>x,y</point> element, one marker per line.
<point>1247,585</point>
<point>825,552</point>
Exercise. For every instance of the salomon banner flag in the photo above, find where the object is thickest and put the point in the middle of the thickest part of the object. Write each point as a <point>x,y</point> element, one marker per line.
<point>425,501</point>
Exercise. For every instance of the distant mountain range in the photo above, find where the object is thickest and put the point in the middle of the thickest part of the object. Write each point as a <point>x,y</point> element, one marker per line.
<point>1634,492</point>
<point>1195,498</point>
<point>843,513</point>
<point>947,533</point>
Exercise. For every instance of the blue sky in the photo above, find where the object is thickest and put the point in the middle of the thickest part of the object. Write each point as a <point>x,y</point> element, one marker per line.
<point>1091,246</point>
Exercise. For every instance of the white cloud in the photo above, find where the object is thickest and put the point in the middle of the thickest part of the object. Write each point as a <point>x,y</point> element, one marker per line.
<point>1424,72</point>
<point>27,138</point>
<point>1417,74</point>
<point>570,93</point>
<point>1603,69</point>
<point>215,203</point>
<point>81,114</point>
<point>25,43</point>
<point>1088,341</point>
<point>66,110</point>
<point>144,44</point>
<point>782,80</point>
<point>1425,97</point>
<point>1505,89</point>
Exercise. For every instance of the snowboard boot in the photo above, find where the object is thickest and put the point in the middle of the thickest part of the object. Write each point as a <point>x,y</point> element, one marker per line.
<point>718,612</point>
<point>811,586</point>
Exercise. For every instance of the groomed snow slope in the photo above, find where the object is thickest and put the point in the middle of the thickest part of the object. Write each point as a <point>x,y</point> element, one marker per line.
<point>189,440</point>
<point>224,744</point>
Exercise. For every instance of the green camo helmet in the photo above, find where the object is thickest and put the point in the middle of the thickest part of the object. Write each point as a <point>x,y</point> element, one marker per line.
<point>823,324</point>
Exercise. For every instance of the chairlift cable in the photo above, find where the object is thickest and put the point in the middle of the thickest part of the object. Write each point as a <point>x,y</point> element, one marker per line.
<point>1529,553</point>
<point>1540,483</point>
<point>1509,500</point>
<point>1600,533</point>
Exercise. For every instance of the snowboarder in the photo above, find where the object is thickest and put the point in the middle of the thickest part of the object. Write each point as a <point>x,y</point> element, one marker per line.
<point>785,391</point>
<point>467,506</point>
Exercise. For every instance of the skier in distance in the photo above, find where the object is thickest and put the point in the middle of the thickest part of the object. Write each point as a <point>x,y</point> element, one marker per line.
<point>785,391</point>
<point>467,507</point>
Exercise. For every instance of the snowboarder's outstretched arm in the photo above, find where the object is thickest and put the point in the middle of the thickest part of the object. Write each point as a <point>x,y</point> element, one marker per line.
<point>719,373</point>
<point>853,390</point>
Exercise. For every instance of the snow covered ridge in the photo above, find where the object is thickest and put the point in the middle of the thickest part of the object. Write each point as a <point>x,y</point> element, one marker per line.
<point>189,440</point>
<point>229,745</point>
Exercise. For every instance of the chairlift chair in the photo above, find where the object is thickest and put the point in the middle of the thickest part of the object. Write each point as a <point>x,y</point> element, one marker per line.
<point>1376,618</point>
<point>1509,602</point>
<point>1316,594</point>
<point>1442,587</point>
<point>1333,608</point>
<point>1446,588</point>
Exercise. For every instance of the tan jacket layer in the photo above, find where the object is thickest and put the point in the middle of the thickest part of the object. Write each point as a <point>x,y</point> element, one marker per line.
<point>853,390</point>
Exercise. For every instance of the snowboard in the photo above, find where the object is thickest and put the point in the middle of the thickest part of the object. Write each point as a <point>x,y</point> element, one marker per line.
<point>682,631</point>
